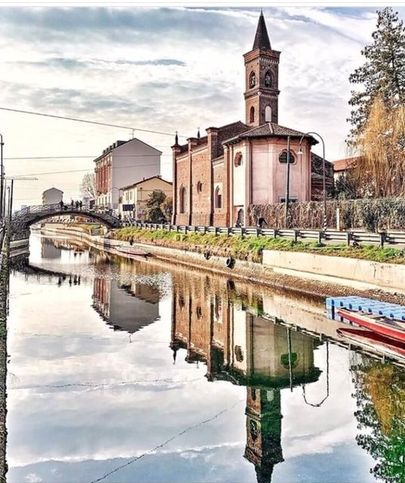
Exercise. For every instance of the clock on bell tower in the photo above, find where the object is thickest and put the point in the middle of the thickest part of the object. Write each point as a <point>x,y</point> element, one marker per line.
<point>261,71</point>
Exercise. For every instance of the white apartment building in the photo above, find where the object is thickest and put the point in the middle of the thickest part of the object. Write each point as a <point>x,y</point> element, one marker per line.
<point>121,164</point>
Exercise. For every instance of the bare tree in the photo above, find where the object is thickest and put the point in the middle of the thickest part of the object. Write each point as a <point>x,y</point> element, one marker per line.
<point>380,169</point>
<point>88,186</point>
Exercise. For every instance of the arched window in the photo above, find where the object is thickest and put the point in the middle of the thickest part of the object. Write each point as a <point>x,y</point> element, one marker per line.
<point>283,157</point>
<point>218,197</point>
<point>267,79</point>
<point>252,79</point>
<point>252,114</point>
<point>182,200</point>
<point>199,187</point>
<point>267,114</point>
<point>238,159</point>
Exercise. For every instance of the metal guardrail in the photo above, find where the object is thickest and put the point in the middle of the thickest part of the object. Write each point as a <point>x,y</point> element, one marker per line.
<point>350,238</point>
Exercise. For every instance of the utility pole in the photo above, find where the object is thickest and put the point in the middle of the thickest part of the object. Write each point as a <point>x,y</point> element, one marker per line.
<point>2,194</point>
<point>324,195</point>
<point>287,188</point>
<point>10,200</point>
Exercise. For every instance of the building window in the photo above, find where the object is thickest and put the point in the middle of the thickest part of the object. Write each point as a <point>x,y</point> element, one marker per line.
<point>283,157</point>
<point>254,430</point>
<point>239,353</point>
<point>267,79</point>
<point>252,114</point>
<point>199,187</point>
<point>217,309</point>
<point>238,159</point>
<point>252,79</point>
<point>182,200</point>
<point>267,114</point>
<point>218,197</point>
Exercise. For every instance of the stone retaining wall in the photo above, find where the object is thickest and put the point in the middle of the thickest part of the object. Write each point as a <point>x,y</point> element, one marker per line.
<point>361,274</point>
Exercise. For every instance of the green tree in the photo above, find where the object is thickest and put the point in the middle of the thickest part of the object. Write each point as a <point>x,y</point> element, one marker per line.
<point>154,206</point>
<point>380,394</point>
<point>383,72</point>
<point>167,207</point>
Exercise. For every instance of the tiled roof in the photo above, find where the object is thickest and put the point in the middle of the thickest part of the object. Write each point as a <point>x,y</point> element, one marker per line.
<point>143,181</point>
<point>262,40</point>
<point>344,164</point>
<point>229,131</point>
<point>270,129</point>
<point>224,132</point>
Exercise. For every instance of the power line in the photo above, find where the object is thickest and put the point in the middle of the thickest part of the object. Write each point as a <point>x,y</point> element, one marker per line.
<point>79,170</point>
<point>25,158</point>
<point>75,119</point>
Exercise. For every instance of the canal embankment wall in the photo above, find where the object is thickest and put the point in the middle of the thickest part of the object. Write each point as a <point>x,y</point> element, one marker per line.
<point>316,275</point>
<point>4,289</point>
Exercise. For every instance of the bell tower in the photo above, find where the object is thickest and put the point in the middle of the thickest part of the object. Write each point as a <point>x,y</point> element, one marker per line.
<point>261,79</point>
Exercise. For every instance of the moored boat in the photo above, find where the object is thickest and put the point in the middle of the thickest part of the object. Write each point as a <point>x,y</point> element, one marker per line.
<point>370,340</point>
<point>393,329</point>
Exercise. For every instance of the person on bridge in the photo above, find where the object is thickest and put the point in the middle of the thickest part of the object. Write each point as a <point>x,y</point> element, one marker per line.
<point>77,205</point>
<point>72,204</point>
<point>61,204</point>
<point>80,204</point>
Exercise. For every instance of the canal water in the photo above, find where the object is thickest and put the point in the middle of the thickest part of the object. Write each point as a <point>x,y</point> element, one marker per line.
<point>132,371</point>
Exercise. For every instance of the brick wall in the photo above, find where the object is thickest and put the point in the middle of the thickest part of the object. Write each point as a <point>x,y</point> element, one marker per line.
<point>201,188</point>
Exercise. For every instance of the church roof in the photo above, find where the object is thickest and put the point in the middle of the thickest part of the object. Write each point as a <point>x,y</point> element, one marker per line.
<point>270,129</point>
<point>262,40</point>
<point>224,132</point>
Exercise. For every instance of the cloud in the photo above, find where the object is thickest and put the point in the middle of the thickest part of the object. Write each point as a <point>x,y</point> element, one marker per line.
<point>71,63</point>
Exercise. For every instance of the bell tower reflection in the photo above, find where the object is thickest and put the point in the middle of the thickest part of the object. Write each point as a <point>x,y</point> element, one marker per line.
<point>263,431</point>
<point>217,326</point>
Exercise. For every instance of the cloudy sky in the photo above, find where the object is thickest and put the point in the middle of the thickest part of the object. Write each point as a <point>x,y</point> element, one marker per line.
<point>163,69</point>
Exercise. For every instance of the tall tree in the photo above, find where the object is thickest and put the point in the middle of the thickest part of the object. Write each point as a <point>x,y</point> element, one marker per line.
<point>88,186</point>
<point>383,73</point>
<point>380,168</point>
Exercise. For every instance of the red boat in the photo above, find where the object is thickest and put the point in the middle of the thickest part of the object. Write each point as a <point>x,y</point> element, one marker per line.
<point>394,329</point>
<point>371,340</point>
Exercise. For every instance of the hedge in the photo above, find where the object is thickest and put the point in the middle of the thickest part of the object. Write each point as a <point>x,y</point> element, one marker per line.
<point>368,214</point>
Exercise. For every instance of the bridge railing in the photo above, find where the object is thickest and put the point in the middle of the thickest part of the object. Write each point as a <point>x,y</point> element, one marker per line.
<point>30,214</point>
<point>350,238</point>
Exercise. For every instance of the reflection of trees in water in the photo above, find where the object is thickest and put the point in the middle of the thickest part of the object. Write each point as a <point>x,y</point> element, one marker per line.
<point>380,394</point>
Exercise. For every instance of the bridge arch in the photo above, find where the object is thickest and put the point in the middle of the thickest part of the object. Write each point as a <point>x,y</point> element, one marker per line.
<point>30,215</point>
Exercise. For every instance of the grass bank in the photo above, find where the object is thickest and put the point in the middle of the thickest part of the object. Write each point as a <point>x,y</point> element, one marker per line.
<point>251,247</point>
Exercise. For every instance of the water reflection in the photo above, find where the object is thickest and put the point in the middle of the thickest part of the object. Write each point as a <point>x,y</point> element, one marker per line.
<point>244,349</point>
<point>110,300</point>
<point>218,384</point>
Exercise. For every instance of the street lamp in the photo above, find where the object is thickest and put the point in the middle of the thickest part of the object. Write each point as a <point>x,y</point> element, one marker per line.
<point>300,152</point>
<point>10,190</point>
<point>1,178</point>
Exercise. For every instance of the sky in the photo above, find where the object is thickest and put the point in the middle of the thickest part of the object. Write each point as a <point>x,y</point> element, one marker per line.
<point>161,68</point>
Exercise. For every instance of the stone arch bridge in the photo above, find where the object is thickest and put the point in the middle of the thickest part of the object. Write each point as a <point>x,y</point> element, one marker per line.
<point>23,219</point>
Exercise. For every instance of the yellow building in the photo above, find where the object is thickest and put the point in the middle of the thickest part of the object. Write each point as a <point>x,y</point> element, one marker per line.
<point>134,197</point>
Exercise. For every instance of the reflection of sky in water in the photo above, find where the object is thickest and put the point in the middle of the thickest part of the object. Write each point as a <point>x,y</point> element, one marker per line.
<point>84,399</point>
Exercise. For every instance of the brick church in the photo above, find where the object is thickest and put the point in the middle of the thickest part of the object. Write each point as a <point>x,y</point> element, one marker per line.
<point>217,177</point>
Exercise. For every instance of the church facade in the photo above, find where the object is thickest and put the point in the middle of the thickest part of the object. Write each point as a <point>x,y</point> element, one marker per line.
<point>217,177</point>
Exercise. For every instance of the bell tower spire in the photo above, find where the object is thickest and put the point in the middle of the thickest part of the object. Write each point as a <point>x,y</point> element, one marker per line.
<point>261,77</point>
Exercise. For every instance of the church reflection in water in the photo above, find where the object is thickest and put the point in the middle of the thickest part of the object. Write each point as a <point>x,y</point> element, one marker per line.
<point>222,328</point>
<point>215,326</point>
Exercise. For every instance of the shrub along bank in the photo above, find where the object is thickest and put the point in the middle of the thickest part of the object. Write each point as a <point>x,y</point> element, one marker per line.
<point>251,247</point>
